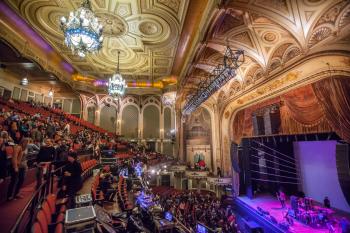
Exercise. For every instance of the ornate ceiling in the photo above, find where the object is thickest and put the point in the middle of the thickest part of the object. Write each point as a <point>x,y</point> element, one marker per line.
<point>274,34</point>
<point>146,32</point>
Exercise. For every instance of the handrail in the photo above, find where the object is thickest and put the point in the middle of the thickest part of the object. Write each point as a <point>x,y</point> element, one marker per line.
<point>183,226</point>
<point>14,229</point>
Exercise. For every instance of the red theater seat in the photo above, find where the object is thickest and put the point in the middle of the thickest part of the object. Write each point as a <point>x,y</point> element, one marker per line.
<point>36,228</point>
<point>41,218</point>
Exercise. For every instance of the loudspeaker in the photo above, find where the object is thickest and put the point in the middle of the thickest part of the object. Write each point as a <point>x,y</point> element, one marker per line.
<point>258,125</point>
<point>267,121</point>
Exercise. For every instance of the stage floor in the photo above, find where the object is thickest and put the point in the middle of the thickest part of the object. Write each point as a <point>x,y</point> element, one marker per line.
<point>271,204</point>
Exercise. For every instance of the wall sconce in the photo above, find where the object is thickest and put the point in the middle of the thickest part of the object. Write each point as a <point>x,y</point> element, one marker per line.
<point>50,93</point>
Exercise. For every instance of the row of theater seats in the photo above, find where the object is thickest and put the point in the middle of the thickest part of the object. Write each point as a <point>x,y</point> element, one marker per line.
<point>87,167</point>
<point>80,121</point>
<point>32,110</point>
<point>122,195</point>
<point>123,155</point>
<point>51,215</point>
<point>96,193</point>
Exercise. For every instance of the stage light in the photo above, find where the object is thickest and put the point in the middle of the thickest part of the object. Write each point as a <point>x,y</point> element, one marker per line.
<point>164,166</point>
<point>153,171</point>
<point>221,74</point>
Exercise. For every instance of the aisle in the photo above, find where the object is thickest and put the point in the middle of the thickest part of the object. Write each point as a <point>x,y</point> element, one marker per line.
<point>10,210</point>
<point>110,207</point>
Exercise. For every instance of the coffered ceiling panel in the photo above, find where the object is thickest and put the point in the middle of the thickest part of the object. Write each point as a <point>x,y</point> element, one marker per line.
<point>274,35</point>
<point>146,32</point>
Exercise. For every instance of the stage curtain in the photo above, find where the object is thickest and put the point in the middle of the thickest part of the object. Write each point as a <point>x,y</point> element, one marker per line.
<point>301,112</point>
<point>334,96</point>
<point>238,126</point>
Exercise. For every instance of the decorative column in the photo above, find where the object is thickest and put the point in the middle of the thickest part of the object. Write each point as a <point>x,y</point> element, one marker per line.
<point>161,128</point>
<point>215,137</point>
<point>140,124</point>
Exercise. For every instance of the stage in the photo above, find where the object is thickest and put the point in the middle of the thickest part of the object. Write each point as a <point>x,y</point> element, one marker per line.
<point>273,206</point>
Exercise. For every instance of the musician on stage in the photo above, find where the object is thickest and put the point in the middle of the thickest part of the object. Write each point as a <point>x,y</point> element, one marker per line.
<point>327,203</point>
<point>281,196</point>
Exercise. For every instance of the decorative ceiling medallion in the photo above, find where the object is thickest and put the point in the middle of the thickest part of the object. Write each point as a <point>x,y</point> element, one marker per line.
<point>269,37</point>
<point>149,28</point>
<point>113,25</point>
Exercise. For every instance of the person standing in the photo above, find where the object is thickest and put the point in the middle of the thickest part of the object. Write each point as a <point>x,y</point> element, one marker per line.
<point>327,203</point>
<point>72,177</point>
<point>282,198</point>
<point>3,156</point>
<point>47,152</point>
<point>18,169</point>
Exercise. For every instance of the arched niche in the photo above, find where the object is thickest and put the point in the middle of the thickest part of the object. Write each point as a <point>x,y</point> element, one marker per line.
<point>198,138</point>
<point>91,114</point>
<point>108,118</point>
<point>167,123</point>
<point>130,119</point>
<point>151,122</point>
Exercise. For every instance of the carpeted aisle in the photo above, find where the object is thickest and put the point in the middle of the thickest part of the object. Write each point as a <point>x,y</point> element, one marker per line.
<point>10,210</point>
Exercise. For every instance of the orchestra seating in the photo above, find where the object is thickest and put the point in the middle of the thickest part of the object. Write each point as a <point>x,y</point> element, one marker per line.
<point>50,216</point>
<point>122,195</point>
<point>96,193</point>
<point>87,168</point>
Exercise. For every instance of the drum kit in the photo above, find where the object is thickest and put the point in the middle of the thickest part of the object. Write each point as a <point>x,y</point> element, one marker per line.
<point>305,211</point>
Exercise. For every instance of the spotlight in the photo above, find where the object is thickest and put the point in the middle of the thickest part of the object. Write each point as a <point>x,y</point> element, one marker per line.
<point>164,166</point>
<point>153,171</point>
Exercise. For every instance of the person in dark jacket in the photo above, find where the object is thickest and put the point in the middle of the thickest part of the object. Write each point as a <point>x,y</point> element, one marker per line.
<point>72,177</point>
<point>47,152</point>
<point>4,138</point>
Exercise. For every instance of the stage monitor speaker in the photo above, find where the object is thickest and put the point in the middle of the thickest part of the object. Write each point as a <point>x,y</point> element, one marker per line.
<point>258,125</point>
<point>267,122</point>
<point>275,122</point>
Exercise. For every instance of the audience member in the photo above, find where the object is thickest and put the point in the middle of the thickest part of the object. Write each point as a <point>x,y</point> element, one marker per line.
<point>18,169</point>
<point>47,152</point>
<point>72,177</point>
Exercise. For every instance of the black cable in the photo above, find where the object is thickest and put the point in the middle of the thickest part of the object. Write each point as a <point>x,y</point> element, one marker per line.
<point>274,168</point>
<point>262,144</point>
<point>272,155</point>
<point>296,178</point>
<point>276,163</point>
<point>274,181</point>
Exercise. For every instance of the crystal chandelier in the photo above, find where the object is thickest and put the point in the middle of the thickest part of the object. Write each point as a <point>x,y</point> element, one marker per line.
<point>116,84</point>
<point>82,31</point>
<point>169,98</point>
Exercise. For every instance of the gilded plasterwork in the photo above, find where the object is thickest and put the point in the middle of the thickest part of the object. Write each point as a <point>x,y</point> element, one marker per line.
<point>274,35</point>
<point>146,33</point>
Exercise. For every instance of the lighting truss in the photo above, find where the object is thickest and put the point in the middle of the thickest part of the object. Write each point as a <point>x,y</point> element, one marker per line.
<point>221,74</point>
